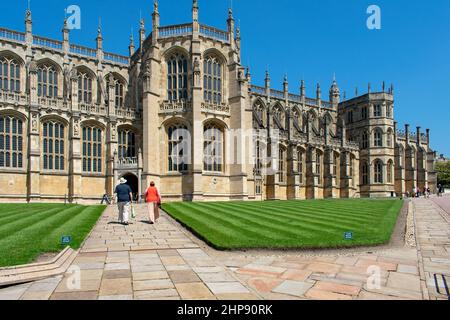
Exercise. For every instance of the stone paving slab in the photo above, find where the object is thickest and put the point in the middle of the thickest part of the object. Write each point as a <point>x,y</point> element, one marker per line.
<point>163,261</point>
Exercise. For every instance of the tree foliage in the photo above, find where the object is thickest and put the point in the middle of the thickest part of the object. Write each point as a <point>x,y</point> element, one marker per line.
<point>443,171</point>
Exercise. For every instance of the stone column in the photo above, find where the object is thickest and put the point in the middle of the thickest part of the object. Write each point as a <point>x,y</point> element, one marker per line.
<point>34,142</point>
<point>312,177</point>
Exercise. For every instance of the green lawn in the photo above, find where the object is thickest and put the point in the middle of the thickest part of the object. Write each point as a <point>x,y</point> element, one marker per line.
<point>29,230</point>
<point>289,224</point>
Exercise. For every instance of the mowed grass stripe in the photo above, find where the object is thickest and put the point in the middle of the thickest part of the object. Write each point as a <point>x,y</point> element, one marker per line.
<point>29,221</point>
<point>89,216</point>
<point>233,226</point>
<point>23,246</point>
<point>264,225</point>
<point>290,224</point>
<point>295,212</point>
<point>6,214</point>
<point>273,220</point>
<point>219,232</point>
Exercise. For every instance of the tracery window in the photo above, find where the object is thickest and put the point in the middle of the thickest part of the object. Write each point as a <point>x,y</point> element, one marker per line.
<point>390,167</point>
<point>47,78</point>
<point>212,80</point>
<point>281,165</point>
<point>365,173</point>
<point>378,171</point>
<point>177,77</point>
<point>11,142</point>
<point>213,148</point>
<point>300,164</point>
<point>92,149</point>
<point>365,140</point>
<point>84,87</point>
<point>377,111</point>
<point>127,144</point>
<point>9,74</point>
<point>378,138</point>
<point>177,152</point>
<point>53,149</point>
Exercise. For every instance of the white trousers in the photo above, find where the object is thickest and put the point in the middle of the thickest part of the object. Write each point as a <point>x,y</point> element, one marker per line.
<point>124,211</point>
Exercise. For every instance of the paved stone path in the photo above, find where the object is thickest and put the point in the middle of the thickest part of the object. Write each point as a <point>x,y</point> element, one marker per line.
<point>164,261</point>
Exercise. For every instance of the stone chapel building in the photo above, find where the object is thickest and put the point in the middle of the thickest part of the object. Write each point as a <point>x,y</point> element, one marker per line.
<point>73,120</point>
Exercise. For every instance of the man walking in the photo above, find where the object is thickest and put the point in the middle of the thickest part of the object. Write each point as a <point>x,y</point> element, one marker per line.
<point>124,196</point>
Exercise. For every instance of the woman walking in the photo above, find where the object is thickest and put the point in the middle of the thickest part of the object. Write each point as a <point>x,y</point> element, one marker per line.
<point>153,200</point>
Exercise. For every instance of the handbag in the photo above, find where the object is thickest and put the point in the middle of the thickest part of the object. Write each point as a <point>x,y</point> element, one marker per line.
<point>133,212</point>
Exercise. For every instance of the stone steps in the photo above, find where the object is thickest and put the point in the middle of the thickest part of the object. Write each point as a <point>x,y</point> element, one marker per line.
<point>38,271</point>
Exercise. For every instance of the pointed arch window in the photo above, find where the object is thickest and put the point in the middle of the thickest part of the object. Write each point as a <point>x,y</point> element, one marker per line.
<point>213,148</point>
<point>378,171</point>
<point>177,77</point>
<point>178,149</point>
<point>11,142</point>
<point>92,149</point>
<point>47,78</point>
<point>212,80</point>
<point>119,91</point>
<point>9,74</point>
<point>319,166</point>
<point>389,139</point>
<point>300,164</point>
<point>365,173</point>
<point>378,138</point>
<point>84,87</point>
<point>365,140</point>
<point>282,165</point>
<point>53,148</point>
<point>390,169</point>
<point>127,144</point>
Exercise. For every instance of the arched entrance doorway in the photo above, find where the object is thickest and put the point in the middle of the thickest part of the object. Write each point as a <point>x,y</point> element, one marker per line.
<point>133,182</point>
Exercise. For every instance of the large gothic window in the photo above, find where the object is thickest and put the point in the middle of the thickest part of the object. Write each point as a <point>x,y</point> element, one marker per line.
<point>177,78</point>
<point>47,78</point>
<point>127,144</point>
<point>178,148</point>
<point>53,148</point>
<point>9,74</point>
<point>92,149</point>
<point>378,171</point>
<point>11,142</point>
<point>278,118</point>
<point>84,87</point>
<point>212,80</point>
<point>213,148</point>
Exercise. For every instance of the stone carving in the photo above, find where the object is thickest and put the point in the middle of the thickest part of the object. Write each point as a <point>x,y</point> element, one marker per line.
<point>197,72</point>
<point>34,123</point>
<point>76,128</point>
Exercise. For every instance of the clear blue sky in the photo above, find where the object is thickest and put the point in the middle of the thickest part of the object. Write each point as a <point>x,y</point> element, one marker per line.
<point>303,38</point>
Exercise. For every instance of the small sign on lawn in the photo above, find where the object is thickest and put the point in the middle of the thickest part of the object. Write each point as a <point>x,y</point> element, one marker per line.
<point>66,240</point>
<point>348,236</point>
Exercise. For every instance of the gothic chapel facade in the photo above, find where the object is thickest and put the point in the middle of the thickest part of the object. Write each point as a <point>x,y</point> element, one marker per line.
<point>73,120</point>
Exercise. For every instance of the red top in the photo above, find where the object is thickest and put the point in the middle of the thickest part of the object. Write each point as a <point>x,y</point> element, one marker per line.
<point>152,195</point>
